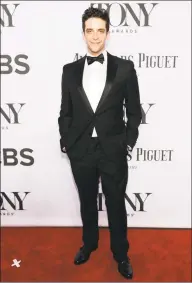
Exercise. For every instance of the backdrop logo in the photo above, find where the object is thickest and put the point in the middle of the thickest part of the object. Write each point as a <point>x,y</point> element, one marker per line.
<point>147,61</point>
<point>12,202</point>
<point>77,57</point>
<point>145,109</point>
<point>7,15</point>
<point>11,114</point>
<point>155,155</point>
<point>13,157</point>
<point>124,17</point>
<point>15,64</point>
<point>138,203</point>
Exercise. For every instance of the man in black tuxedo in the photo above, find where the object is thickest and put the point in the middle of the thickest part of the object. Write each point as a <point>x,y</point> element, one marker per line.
<point>95,137</point>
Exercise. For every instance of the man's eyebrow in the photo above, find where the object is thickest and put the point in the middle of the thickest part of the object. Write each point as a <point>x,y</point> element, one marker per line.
<point>92,29</point>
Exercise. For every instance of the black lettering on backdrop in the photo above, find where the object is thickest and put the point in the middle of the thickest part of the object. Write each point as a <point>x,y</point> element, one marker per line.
<point>15,204</point>
<point>144,113</point>
<point>154,154</point>
<point>157,61</point>
<point>19,60</point>
<point>10,157</point>
<point>6,19</point>
<point>77,57</point>
<point>140,17</point>
<point>137,205</point>
<point>139,200</point>
<point>12,117</point>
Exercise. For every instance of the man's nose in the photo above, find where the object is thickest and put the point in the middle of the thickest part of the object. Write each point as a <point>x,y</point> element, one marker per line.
<point>95,36</point>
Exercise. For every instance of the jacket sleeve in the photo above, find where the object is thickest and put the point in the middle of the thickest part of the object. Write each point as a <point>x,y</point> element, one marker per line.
<point>65,115</point>
<point>133,107</point>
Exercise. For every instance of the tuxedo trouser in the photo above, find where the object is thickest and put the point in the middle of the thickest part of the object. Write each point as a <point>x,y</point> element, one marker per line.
<point>113,176</point>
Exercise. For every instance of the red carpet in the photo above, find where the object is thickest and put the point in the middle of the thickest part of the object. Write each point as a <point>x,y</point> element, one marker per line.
<point>47,254</point>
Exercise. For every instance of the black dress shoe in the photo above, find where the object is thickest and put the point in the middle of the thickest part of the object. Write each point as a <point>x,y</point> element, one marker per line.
<point>83,255</point>
<point>125,268</point>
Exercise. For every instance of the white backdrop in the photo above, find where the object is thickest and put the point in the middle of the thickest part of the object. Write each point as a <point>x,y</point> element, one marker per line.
<point>49,35</point>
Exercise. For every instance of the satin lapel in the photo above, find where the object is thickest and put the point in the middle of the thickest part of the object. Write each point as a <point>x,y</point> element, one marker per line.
<point>79,79</point>
<point>111,73</point>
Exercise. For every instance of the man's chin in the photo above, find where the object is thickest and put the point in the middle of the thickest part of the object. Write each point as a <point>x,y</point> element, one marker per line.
<point>95,50</point>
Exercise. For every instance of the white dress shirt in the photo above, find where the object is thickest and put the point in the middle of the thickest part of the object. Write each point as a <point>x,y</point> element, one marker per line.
<point>94,79</point>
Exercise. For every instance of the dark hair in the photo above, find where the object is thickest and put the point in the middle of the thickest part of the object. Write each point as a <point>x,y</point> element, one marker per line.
<point>95,13</point>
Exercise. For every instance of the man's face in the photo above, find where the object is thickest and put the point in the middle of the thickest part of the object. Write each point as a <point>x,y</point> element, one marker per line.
<point>95,35</point>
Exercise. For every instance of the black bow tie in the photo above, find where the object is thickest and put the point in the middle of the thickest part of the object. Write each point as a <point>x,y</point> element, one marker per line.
<point>99,58</point>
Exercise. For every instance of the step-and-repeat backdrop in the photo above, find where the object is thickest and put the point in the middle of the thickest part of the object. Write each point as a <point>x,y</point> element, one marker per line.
<point>38,38</point>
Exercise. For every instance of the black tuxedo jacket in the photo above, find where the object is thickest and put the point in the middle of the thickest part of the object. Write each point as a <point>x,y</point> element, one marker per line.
<point>77,119</point>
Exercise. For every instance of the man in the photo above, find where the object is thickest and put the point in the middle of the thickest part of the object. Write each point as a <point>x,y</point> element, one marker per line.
<point>95,137</point>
